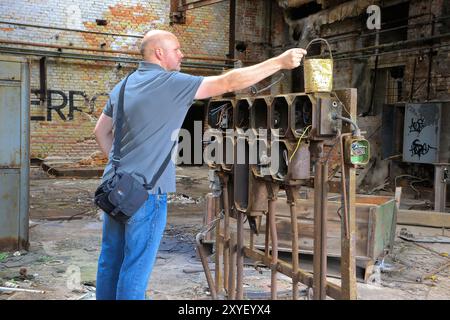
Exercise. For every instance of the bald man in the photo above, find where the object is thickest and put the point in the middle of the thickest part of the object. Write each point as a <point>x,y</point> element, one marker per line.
<point>156,100</point>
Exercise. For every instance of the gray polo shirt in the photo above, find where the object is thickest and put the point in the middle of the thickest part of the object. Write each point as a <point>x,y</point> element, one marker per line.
<point>155,104</point>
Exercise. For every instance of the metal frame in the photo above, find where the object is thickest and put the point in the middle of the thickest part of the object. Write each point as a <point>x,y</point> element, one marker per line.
<point>230,247</point>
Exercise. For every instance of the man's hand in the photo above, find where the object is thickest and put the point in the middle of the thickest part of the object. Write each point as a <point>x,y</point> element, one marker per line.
<point>242,78</point>
<point>291,58</point>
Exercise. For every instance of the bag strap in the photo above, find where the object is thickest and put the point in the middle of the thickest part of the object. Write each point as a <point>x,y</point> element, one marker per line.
<point>118,127</point>
<point>161,169</point>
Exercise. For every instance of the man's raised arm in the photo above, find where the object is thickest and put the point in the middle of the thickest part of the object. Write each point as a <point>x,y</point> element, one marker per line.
<point>242,78</point>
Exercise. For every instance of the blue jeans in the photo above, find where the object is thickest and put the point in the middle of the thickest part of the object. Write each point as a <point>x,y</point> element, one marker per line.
<point>129,251</point>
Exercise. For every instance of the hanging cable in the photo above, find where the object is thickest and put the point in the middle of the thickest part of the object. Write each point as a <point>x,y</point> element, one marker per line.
<point>299,141</point>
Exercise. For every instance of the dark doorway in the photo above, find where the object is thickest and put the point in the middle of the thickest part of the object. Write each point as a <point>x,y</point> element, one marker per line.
<point>195,114</point>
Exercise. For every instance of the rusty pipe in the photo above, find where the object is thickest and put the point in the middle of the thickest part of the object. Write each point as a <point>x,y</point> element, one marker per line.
<point>317,230</point>
<point>129,52</point>
<point>210,213</point>
<point>252,240</point>
<point>226,231</point>
<point>240,256</point>
<point>219,251</point>
<point>274,238</point>
<point>267,237</point>
<point>323,233</point>
<point>292,194</point>
<point>320,230</point>
<point>344,187</point>
<point>57,46</point>
<point>294,226</point>
<point>232,268</point>
<point>204,260</point>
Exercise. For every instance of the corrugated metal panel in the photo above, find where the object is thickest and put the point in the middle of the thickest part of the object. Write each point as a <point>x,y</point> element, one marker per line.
<point>14,155</point>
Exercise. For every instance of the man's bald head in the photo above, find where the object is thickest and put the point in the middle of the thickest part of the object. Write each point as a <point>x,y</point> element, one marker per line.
<point>156,39</point>
<point>162,48</point>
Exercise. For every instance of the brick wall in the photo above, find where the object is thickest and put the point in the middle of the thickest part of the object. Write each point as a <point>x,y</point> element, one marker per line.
<point>261,27</point>
<point>78,89</point>
<point>252,28</point>
<point>416,63</point>
<point>343,26</point>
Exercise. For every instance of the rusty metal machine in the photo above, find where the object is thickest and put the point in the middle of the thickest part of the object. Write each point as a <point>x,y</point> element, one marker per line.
<point>280,143</point>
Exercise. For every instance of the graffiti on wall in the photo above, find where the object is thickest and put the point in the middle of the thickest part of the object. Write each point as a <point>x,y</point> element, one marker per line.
<point>421,133</point>
<point>64,105</point>
<point>417,125</point>
<point>420,149</point>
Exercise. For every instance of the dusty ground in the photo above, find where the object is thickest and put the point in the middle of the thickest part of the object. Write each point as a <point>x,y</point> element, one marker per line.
<point>65,234</point>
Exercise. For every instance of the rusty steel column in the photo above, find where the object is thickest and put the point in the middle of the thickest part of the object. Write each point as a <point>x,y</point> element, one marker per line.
<point>210,214</point>
<point>320,226</point>
<point>204,259</point>
<point>226,231</point>
<point>295,262</point>
<point>232,268</point>
<point>252,240</point>
<point>240,256</point>
<point>274,261</point>
<point>323,231</point>
<point>273,191</point>
<point>267,237</point>
<point>292,191</point>
<point>219,250</point>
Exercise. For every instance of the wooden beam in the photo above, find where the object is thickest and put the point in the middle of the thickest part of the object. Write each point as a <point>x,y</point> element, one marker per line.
<point>423,218</point>
<point>348,242</point>
<point>398,195</point>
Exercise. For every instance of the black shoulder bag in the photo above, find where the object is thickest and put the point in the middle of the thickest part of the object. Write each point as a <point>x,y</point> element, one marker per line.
<point>123,194</point>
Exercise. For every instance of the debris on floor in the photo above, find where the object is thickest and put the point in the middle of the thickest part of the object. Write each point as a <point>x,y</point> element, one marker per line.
<point>62,259</point>
<point>408,236</point>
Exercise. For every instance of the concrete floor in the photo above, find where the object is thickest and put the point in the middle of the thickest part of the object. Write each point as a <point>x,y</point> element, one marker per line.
<point>65,234</point>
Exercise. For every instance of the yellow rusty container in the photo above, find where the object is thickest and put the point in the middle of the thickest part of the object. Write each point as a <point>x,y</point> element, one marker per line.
<point>318,73</point>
